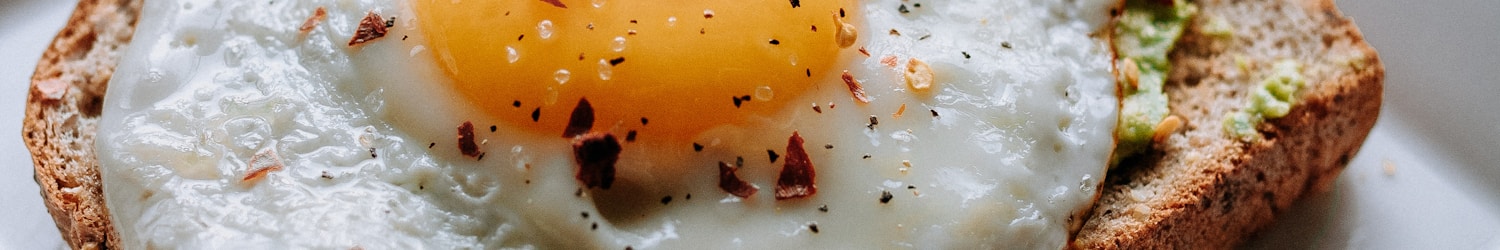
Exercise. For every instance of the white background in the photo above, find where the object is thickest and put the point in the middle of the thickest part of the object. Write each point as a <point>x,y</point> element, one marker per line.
<point>1439,130</point>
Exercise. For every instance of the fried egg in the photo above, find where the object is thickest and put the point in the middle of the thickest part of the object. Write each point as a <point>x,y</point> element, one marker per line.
<point>290,124</point>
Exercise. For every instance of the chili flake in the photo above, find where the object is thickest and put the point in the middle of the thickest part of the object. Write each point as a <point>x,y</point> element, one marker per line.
<point>557,3</point>
<point>732,184</point>
<point>370,28</point>
<point>797,176</point>
<point>596,154</point>
<point>312,21</point>
<point>854,88</point>
<point>466,143</point>
<point>582,119</point>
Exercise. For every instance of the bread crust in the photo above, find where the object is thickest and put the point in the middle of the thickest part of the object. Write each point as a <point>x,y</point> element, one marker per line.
<point>62,112</point>
<point>1202,189</point>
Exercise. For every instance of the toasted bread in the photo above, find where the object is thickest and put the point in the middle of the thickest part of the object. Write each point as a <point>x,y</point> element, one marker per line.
<point>62,114</point>
<point>1203,187</point>
<point>1200,188</point>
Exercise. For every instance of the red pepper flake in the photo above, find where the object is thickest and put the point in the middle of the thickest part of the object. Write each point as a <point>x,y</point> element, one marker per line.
<point>732,184</point>
<point>312,21</point>
<point>854,88</point>
<point>708,14</point>
<point>864,51</point>
<point>557,3</point>
<point>262,163</point>
<point>773,155</point>
<point>888,60</point>
<point>596,154</point>
<point>582,119</point>
<point>466,143</point>
<point>797,175</point>
<point>370,28</point>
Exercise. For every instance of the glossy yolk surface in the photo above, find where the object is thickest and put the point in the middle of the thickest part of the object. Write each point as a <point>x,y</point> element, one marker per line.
<point>680,64</point>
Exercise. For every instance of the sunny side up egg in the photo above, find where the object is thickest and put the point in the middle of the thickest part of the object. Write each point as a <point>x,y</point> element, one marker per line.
<point>264,124</point>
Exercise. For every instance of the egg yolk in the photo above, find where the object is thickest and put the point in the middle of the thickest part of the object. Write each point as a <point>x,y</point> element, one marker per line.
<point>671,69</point>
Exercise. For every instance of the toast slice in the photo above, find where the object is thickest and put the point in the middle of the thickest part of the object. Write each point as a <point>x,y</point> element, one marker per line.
<point>62,114</point>
<point>1201,189</point>
<point>1205,188</point>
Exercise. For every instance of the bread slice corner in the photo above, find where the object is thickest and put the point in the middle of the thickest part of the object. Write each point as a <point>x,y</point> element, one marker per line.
<point>1202,187</point>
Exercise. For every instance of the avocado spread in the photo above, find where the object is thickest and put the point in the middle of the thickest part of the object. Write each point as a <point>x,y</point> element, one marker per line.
<point>1271,98</point>
<point>1144,33</point>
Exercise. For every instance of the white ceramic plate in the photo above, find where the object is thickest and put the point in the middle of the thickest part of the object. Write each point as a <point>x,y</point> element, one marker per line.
<point>1427,178</point>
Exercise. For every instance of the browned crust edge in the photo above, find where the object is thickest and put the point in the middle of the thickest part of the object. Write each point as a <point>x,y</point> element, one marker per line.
<point>1241,191</point>
<point>59,130</point>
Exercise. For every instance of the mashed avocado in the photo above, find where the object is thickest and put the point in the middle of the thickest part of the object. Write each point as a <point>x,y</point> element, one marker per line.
<point>1271,98</point>
<point>1143,35</point>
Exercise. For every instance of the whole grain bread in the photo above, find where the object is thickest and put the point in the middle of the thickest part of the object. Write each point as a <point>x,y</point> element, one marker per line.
<point>1204,189</point>
<point>1199,189</point>
<point>62,114</point>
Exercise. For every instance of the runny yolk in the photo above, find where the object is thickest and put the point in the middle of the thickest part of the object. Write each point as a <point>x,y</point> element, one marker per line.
<point>681,65</point>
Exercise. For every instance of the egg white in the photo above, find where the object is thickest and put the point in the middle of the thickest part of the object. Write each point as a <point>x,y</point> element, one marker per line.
<point>1020,141</point>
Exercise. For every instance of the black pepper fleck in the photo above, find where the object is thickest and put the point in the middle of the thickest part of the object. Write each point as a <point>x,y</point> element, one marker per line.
<point>809,72</point>
<point>924,37</point>
<point>873,121</point>
<point>1005,45</point>
<point>431,144</point>
<point>585,214</point>
<point>737,102</point>
<point>903,9</point>
<point>966,54</point>
<point>911,187</point>
<point>813,227</point>
<point>536,115</point>
<point>816,108</point>
<point>481,156</point>
<point>796,3</point>
<point>934,112</point>
<point>773,155</point>
<point>492,128</point>
<point>522,36</point>
<point>867,156</point>
<point>918,5</point>
<point>697,147</point>
<point>687,197</point>
<point>594,226</point>
<point>815,28</point>
<point>827,146</point>
<point>630,136</point>
<point>403,37</point>
<point>775,42</point>
<point>516,103</point>
<point>666,199</point>
<point>616,61</point>
<point>644,121</point>
<point>885,197</point>
<point>841,12</point>
<point>633,21</point>
<point>823,208</point>
<point>372,153</point>
<point>391,23</point>
<point>739,161</point>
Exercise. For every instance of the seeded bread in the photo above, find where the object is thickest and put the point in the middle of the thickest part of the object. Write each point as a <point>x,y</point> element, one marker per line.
<point>62,113</point>
<point>1204,189</point>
